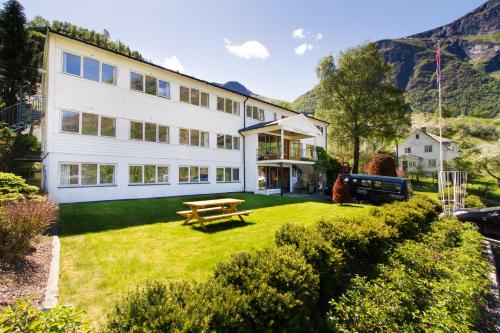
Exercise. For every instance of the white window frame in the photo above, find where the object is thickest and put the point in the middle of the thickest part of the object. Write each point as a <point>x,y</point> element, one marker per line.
<point>232,141</point>
<point>189,174</point>
<point>426,150</point>
<point>232,174</point>
<point>80,124</point>
<point>200,132</point>
<point>98,180</point>
<point>82,58</point>
<point>199,97</point>
<point>407,150</point>
<point>142,183</point>
<point>144,132</point>
<point>432,163</point>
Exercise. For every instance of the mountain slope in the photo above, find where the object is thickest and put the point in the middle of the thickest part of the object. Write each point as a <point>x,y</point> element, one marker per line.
<point>470,65</point>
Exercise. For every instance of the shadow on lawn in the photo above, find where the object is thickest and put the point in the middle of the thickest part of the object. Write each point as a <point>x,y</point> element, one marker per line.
<point>220,226</point>
<point>89,217</point>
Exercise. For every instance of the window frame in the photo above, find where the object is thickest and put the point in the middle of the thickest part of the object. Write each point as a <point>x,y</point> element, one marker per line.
<point>143,82</point>
<point>98,69</point>
<point>80,123</point>
<point>63,62</point>
<point>115,78</point>
<point>98,175</point>
<point>157,132</point>
<point>224,169</point>
<point>143,167</point>
<point>189,167</point>
<point>200,138</point>
<point>426,150</point>
<point>256,113</point>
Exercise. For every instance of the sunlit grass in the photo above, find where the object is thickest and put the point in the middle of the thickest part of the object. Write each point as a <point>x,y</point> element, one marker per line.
<point>107,248</point>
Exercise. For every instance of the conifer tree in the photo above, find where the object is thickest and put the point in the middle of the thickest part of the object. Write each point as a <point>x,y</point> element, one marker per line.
<point>341,193</point>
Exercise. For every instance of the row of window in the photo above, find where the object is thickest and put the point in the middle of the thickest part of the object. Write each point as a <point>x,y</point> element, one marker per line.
<point>228,105</point>
<point>92,124</point>
<point>225,141</point>
<point>95,174</point>
<point>255,113</point>
<point>95,70</point>
<point>427,149</point>
<point>150,85</point>
<point>91,69</point>
<point>88,124</point>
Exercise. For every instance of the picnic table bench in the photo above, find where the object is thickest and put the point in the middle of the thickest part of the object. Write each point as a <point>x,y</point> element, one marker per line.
<point>225,207</point>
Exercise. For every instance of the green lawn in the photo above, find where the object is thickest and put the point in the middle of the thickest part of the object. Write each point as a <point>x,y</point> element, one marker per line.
<point>107,248</point>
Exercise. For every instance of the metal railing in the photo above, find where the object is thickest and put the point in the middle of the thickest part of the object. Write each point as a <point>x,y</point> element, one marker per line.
<point>295,154</point>
<point>24,113</point>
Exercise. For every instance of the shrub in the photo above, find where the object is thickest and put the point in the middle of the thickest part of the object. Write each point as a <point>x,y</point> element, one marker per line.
<point>20,223</point>
<point>382,165</point>
<point>280,287</point>
<point>473,201</point>
<point>23,317</point>
<point>341,192</point>
<point>13,188</point>
<point>433,285</point>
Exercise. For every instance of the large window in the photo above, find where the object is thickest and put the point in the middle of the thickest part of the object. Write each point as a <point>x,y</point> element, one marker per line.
<point>148,174</point>
<point>193,137</point>
<point>86,174</point>
<point>193,174</point>
<point>226,174</point>
<point>268,178</point>
<point>163,89</point>
<point>255,113</point>
<point>89,123</point>
<point>136,81</point>
<point>151,85</point>
<point>227,105</point>
<point>225,141</point>
<point>428,149</point>
<point>194,96</point>
<point>72,64</point>
<point>431,163</point>
<point>108,74</point>
<point>149,132</point>
<point>91,69</point>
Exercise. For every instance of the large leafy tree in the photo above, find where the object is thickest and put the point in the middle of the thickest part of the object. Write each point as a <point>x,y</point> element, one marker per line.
<point>19,57</point>
<point>358,100</point>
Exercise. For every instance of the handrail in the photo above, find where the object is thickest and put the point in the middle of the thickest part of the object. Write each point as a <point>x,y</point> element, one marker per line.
<point>295,154</point>
<point>24,113</point>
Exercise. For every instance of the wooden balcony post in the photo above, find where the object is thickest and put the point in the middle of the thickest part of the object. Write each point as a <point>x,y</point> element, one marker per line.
<point>282,143</point>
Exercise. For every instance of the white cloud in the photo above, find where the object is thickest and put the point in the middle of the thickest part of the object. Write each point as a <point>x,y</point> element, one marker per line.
<point>318,36</point>
<point>298,33</point>
<point>248,50</point>
<point>173,63</point>
<point>303,48</point>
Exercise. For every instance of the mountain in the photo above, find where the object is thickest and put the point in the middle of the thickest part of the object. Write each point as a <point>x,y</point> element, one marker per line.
<point>240,88</point>
<point>470,57</point>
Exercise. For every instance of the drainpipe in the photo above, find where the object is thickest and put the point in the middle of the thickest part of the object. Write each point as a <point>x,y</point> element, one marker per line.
<point>244,111</point>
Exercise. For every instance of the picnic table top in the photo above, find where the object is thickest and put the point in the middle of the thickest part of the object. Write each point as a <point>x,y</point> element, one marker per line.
<point>213,202</point>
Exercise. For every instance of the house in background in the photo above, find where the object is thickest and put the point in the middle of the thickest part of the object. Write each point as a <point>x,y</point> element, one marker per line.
<point>420,152</point>
<point>120,128</point>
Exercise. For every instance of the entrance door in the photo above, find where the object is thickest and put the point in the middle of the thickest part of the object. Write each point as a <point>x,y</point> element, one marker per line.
<point>286,179</point>
<point>405,165</point>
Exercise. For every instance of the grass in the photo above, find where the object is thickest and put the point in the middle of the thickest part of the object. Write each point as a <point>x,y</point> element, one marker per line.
<point>107,248</point>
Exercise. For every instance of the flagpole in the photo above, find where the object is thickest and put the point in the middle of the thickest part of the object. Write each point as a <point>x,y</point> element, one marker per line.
<point>440,111</point>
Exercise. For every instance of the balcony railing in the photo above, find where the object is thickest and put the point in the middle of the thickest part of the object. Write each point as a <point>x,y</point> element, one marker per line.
<point>294,154</point>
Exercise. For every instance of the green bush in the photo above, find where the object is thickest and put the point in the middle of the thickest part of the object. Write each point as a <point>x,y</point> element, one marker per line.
<point>280,287</point>
<point>20,223</point>
<point>269,290</point>
<point>473,201</point>
<point>14,188</point>
<point>24,317</point>
<point>435,284</point>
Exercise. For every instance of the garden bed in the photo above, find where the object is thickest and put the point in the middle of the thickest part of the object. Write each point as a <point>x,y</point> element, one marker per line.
<point>27,277</point>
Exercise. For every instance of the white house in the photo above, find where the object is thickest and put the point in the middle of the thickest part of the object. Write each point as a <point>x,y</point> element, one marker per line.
<point>420,152</point>
<point>120,128</point>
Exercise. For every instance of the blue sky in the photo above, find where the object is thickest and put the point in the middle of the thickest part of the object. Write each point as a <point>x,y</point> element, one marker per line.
<point>251,41</point>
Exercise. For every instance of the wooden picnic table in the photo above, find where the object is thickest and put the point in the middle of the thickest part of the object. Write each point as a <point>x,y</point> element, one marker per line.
<point>224,208</point>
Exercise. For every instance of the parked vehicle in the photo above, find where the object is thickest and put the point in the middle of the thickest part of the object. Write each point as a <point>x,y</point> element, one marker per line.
<point>485,220</point>
<point>378,189</point>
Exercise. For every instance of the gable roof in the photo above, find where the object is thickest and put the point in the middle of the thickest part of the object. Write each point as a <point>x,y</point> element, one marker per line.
<point>60,33</point>
<point>297,123</point>
<point>434,137</point>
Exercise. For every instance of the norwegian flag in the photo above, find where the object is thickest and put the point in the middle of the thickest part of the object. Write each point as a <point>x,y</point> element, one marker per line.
<point>438,64</point>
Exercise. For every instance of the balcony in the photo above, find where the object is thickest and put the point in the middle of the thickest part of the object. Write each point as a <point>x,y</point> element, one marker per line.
<point>292,154</point>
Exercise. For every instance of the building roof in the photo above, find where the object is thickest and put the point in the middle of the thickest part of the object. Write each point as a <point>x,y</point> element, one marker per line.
<point>297,123</point>
<point>436,137</point>
<point>412,156</point>
<point>57,32</point>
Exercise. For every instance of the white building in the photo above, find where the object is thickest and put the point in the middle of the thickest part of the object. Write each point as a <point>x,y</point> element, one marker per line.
<point>420,152</point>
<point>119,128</point>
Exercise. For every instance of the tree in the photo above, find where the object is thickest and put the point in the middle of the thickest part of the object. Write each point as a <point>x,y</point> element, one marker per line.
<point>19,57</point>
<point>357,99</point>
<point>341,192</point>
<point>327,164</point>
<point>382,165</point>
<point>492,166</point>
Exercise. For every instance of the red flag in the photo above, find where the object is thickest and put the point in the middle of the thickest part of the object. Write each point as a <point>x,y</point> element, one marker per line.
<point>438,64</point>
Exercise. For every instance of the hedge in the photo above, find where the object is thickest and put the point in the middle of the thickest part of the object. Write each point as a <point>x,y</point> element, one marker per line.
<point>13,188</point>
<point>283,289</point>
<point>436,284</point>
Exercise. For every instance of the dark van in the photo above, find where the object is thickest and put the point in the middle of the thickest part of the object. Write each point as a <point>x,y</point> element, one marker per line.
<point>378,189</point>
